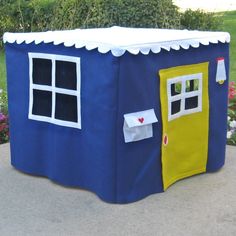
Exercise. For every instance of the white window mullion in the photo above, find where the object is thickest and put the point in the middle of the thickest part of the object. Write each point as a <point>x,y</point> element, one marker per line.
<point>182,104</point>
<point>66,91</point>
<point>200,102</point>
<point>78,74</point>
<point>169,110</point>
<point>192,94</point>
<point>175,98</point>
<point>41,87</point>
<point>30,86</point>
<point>200,93</point>
<point>53,89</point>
<point>168,91</point>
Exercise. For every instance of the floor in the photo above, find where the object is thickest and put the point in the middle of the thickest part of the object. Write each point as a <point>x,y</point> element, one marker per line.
<point>201,205</point>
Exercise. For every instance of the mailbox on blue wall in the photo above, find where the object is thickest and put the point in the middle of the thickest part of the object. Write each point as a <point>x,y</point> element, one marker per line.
<point>122,112</point>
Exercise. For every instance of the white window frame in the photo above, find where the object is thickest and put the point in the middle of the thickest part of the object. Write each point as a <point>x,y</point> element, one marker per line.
<point>184,94</point>
<point>52,88</point>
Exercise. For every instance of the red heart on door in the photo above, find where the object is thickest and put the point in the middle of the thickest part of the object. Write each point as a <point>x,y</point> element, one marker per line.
<point>141,120</point>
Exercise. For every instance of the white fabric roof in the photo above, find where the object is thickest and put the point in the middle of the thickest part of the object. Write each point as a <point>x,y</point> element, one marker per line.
<point>119,39</point>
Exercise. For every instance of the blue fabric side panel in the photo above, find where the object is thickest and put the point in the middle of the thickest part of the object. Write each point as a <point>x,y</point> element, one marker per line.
<point>138,163</point>
<point>218,110</point>
<point>72,157</point>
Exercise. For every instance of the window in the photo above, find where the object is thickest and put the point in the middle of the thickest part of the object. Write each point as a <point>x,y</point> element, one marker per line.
<point>55,89</point>
<point>184,95</point>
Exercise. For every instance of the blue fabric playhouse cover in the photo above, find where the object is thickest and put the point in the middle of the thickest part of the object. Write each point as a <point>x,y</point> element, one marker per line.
<point>115,80</point>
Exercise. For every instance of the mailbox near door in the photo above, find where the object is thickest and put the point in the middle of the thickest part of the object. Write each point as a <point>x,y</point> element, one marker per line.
<point>185,118</point>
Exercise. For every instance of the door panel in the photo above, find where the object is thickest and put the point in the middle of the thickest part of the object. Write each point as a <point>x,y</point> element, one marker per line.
<point>185,119</point>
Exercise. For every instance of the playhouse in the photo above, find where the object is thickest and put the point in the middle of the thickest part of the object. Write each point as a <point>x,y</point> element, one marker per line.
<point>122,112</point>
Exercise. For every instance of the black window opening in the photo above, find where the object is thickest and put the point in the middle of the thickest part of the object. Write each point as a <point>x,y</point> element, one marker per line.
<point>66,75</point>
<point>66,107</point>
<point>42,71</point>
<point>55,89</point>
<point>175,107</point>
<point>176,88</point>
<point>191,102</point>
<point>192,85</point>
<point>42,103</point>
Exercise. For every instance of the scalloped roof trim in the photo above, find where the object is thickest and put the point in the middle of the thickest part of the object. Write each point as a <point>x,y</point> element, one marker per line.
<point>118,40</point>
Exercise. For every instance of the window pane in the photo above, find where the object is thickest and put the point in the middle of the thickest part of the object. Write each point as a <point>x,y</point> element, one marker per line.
<point>66,75</point>
<point>66,107</point>
<point>192,85</point>
<point>42,103</point>
<point>176,88</point>
<point>175,107</point>
<point>42,71</point>
<point>191,102</point>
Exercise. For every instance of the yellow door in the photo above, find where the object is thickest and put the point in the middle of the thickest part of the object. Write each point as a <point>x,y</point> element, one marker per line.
<point>185,119</point>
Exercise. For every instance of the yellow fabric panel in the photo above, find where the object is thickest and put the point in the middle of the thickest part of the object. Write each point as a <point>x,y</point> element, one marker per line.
<point>187,148</point>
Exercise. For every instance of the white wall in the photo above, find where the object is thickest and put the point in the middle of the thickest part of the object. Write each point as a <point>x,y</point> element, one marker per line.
<point>207,5</point>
